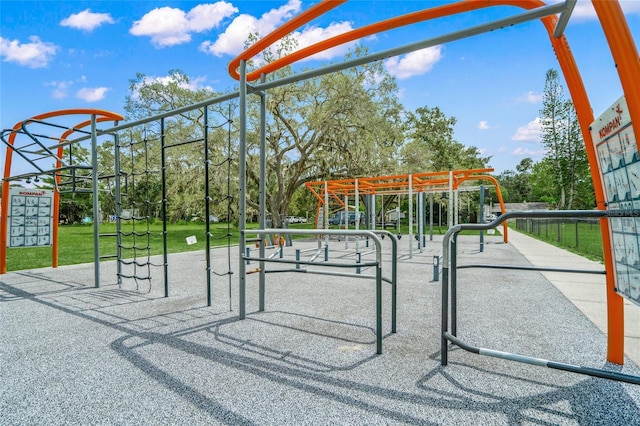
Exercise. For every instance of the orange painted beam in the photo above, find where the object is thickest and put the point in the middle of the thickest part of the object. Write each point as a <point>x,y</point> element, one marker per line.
<point>280,32</point>
<point>359,33</point>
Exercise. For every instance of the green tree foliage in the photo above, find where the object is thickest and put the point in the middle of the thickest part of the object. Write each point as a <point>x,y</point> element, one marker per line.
<point>516,185</point>
<point>76,199</point>
<point>432,147</point>
<point>563,178</point>
<point>339,125</point>
<point>184,148</point>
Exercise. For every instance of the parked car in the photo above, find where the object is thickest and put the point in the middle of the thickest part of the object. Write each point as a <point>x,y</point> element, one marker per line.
<point>338,218</point>
<point>490,218</point>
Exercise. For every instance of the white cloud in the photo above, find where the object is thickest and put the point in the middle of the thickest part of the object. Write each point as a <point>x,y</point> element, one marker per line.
<point>87,20</point>
<point>313,35</point>
<point>531,132</point>
<point>484,125</point>
<point>525,152</point>
<point>231,42</point>
<point>35,54</point>
<point>60,88</point>
<point>92,94</point>
<point>584,10</point>
<point>530,97</point>
<point>629,7</point>
<point>168,26</point>
<point>414,63</point>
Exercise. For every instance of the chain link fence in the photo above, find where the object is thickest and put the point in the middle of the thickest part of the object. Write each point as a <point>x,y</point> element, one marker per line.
<point>581,236</point>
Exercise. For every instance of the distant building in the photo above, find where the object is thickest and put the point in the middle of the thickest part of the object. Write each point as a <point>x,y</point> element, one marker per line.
<point>519,207</point>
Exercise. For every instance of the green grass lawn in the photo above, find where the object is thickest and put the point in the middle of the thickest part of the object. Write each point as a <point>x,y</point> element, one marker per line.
<point>76,242</point>
<point>583,238</point>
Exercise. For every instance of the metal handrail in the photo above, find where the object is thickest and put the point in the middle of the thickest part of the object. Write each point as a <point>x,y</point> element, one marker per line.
<point>374,235</point>
<point>449,258</point>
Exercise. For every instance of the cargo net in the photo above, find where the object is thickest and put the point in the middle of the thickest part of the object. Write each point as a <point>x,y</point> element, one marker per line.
<point>137,204</point>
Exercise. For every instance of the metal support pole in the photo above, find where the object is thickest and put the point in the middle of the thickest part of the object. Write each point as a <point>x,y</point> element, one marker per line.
<point>207,200</point>
<point>325,225</point>
<point>419,216</point>
<point>431,216</point>
<point>453,283</point>
<point>372,213</point>
<point>163,166</point>
<point>410,217</point>
<point>436,268</point>
<point>242,201</point>
<point>96,202</point>
<point>118,195</point>
<point>297,258</point>
<point>456,207</point>
<point>357,214</point>
<point>248,251</point>
<point>450,208</point>
<point>382,212</point>
<point>378,302</point>
<point>358,260</point>
<point>262,194</point>
<point>481,217</point>
<point>346,219</point>
<point>424,219</point>
<point>444,320</point>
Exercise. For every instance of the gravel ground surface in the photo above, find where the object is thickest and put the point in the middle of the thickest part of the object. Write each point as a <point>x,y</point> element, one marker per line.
<point>71,353</point>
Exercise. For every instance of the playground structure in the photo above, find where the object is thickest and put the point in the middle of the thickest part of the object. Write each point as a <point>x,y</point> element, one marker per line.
<point>616,31</point>
<point>125,185</point>
<point>554,17</point>
<point>337,193</point>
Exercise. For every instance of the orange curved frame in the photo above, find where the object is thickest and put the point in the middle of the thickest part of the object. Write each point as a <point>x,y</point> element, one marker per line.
<point>101,116</point>
<point>622,48</point>
<point>399,184</point>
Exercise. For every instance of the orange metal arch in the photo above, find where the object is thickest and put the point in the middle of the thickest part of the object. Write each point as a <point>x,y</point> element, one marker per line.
<point>494,181</point>
<point>622,48</point>
<point>101,116</point>
<point>359,33</point>
<point>399,184</point>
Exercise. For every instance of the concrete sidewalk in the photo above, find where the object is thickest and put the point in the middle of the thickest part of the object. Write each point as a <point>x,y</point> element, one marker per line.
<point>586,291</point>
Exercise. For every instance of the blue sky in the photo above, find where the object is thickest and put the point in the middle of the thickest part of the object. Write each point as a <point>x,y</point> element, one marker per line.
<point>82,54</point>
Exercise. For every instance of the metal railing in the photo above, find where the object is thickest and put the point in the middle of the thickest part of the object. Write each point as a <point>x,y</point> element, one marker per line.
<point>449,287</point>
<point>377,264</point>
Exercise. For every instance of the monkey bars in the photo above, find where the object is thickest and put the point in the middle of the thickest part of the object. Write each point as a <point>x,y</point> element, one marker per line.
<point>414,183</point>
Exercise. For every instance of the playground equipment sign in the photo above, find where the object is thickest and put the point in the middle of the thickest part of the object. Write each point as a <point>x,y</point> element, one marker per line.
<point>619,162</point>
<point>30,217</point>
